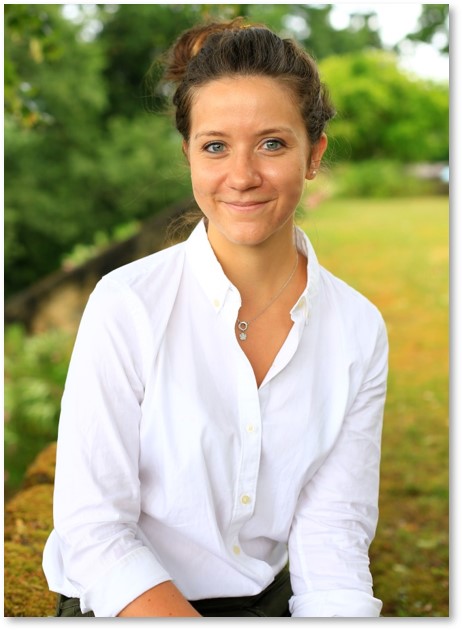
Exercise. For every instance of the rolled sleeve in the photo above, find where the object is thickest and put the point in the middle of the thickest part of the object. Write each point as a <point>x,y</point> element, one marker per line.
<point>335,603</point>
<point>131,576</point>
<point>337,511</point>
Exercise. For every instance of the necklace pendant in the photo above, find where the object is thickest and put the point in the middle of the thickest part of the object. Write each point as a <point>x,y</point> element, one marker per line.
<point>242,327</point>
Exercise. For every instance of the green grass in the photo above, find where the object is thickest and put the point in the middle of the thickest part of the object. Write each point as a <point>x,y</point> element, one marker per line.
<point>396,253</point>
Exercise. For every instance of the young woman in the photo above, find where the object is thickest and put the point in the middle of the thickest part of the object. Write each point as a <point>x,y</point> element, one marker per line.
<point>219,443</point>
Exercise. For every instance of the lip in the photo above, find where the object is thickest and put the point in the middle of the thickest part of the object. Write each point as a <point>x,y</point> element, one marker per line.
<point>245,205</point>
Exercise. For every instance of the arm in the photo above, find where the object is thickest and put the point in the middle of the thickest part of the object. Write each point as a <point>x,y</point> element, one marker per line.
<point>97,490</point>
<point>337,512</point>
<point>164,600</point>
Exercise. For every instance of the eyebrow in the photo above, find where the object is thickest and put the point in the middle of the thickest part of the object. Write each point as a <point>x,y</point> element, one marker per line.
<point>264,132</point>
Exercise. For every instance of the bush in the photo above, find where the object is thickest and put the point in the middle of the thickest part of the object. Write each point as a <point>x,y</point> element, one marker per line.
<point>35,372</point>
<point>379,179</point>
<point>384,112</point>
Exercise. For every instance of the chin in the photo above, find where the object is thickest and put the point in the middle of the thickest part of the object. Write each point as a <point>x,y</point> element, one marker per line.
<point>249,231</point>
<point>246,236</point>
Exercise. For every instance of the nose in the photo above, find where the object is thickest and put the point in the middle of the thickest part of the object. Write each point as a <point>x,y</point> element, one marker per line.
<point>243,172</point>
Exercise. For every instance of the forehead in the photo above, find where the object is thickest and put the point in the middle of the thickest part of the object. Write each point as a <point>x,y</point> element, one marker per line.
<point>244,102</point>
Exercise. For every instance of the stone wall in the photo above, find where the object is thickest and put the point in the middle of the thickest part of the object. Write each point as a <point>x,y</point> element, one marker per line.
<point>58,300</point>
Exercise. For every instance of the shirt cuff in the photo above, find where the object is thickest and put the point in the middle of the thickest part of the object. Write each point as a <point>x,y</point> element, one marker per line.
<point>337,603</point>
<point>123,582</point>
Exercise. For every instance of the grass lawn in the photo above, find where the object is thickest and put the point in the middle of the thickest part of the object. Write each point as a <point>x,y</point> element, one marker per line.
<point>395,251</point>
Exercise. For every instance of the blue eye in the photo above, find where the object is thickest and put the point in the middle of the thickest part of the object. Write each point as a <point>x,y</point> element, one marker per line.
<point>273,144</point>
<point>215,147</point>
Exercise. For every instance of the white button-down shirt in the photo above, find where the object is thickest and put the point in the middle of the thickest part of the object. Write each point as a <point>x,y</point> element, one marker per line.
<point>173,464</point>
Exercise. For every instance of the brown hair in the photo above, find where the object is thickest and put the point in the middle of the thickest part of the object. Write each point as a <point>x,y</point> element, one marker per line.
<point>220,49</point>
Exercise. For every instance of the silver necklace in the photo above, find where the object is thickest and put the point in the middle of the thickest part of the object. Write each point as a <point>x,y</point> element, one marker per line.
<point>244,325</point>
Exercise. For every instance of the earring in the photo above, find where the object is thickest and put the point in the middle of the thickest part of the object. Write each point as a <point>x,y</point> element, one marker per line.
<point>314,173</point>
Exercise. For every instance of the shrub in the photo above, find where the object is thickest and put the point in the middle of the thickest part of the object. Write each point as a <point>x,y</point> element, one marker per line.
<point>379,179</point>
<point>35,372</point>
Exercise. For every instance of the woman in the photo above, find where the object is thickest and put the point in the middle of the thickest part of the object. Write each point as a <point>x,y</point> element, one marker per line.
<point>222,414</point>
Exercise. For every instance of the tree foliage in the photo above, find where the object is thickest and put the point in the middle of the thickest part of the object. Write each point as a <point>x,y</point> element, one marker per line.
<point>133,38</point>
<point>74,165</point>
<point>383,112</point>
<point>311,25</point>
<point>82,154</point>
<point>30,40</point>
<point>433,26</point>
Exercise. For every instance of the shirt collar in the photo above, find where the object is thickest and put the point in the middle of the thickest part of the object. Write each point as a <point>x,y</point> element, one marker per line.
<point>308,298</point>
<point>206,268</point>
<point>217,286</point>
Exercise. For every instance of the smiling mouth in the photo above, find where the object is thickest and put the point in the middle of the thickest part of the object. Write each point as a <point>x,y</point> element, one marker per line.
<point>245,205</point>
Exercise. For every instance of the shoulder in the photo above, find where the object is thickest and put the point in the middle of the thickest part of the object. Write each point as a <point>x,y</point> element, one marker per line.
<point>147,278</point>
<point>352,303</point>
<point>140,292</point>
<point>338,301</point>
<point>149,271</point>
<point>354,315</point>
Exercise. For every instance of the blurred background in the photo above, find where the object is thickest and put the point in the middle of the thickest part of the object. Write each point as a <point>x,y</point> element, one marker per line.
<point>94,172</point>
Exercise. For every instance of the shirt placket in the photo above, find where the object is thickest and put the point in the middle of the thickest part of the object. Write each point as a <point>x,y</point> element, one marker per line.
<point>250,431</point>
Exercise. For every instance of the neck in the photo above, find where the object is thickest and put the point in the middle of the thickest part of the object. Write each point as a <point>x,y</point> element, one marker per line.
<point>264,267</point>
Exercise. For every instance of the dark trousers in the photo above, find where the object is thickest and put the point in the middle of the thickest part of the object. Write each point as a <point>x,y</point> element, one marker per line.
<point>272,602</point>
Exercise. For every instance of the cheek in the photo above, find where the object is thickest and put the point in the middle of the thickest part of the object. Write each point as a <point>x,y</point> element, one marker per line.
<point>288,179</point>
<point>203,180</point>
<point>196,180</point>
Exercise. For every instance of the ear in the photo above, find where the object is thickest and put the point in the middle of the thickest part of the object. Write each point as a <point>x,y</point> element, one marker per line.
<point>317,151</point>
<point>185,149</point>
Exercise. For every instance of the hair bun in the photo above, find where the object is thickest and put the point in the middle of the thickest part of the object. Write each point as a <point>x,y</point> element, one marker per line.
<point>190,43</point>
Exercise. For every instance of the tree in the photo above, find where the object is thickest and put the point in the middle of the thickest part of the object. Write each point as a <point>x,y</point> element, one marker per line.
<point>310,24</point>
<point>433,27</point>
<point>30,40</point>
<point>133,37</point>
<point>78,167</point>
<point>65,94</point>
<point>384,112</point>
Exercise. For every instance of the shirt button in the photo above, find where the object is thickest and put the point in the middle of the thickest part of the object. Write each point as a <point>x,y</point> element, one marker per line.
<point>250,428</point>
<point>216,303</point>
<point>245,499</point>
<point>236,550</point>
